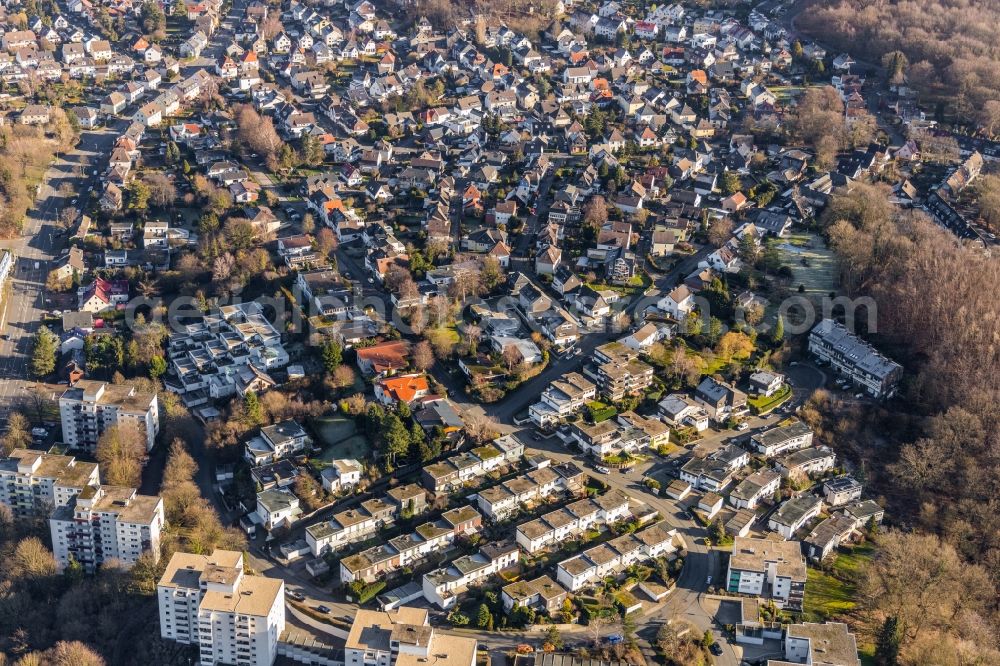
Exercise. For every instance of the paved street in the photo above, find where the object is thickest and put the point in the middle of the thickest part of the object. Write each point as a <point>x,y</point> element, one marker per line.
<point>36,249</point>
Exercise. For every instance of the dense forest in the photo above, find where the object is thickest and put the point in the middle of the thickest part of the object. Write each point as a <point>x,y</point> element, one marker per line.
<point>952,56</point>
<point>934,453</point>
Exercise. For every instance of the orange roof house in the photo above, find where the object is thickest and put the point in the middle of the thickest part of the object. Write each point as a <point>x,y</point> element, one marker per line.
<point>471,196</point>
<point>384,358</point>
<point>698,75</point>
<point>404,388</point>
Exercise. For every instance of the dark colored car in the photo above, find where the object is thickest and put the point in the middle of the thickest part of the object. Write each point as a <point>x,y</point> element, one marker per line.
<point>716,649</point>
<point>323,609</point>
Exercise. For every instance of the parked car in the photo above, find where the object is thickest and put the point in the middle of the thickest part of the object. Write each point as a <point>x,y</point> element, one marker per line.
<point>602,469</point>
<point>743,426</point>
<point>298,596</point>
<point>39,432</point>
<point>323,609</point>
<point>716,649</point>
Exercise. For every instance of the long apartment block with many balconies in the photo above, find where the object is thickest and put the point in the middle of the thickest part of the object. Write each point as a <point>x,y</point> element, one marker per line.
<point>209,601</point>
<point>105,523</point>
<point>88,408</point>
<point>36,482</point>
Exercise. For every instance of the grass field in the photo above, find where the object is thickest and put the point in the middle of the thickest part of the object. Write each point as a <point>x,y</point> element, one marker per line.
<point>812,262</point>
<point>830,595</point>
<point>339,438</point>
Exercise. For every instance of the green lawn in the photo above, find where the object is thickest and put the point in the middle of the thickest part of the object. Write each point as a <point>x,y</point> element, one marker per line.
<point>812,262</point>
<point>829,595</point>
<point>765,404</point>
<point>339,439</point>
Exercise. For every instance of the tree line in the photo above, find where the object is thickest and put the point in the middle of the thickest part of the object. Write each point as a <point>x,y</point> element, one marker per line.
<point>934,453</point>
<point>949,47</point>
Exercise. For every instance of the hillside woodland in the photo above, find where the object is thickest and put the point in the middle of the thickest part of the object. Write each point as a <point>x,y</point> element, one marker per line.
<point>952,56</point>
<point>934,453</point>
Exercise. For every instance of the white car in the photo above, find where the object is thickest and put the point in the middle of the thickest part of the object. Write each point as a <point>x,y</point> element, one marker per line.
<point>743,426</point>
<point>39,432</point>
<point>602,469</point>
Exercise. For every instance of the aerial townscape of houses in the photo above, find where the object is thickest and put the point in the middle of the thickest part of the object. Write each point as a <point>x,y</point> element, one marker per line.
<point>554,230</point>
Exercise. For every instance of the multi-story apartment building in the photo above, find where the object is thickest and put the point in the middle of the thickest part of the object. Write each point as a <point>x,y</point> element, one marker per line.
<point>565,523</point>
<point>766,568</point>
<point>442,586</point>
<point>562,397</point>
<point>106,523</point>
<point>32,481</point>
<point>715,471</point>
<point>756,487</point>
<point>88,408</point>
<point>863,364</point>
<point>616,381</point>
<point>611,557</point>
<point>404,636</point>
<point>775,441</point>
<point>233,617</point>
<point>618,372</point>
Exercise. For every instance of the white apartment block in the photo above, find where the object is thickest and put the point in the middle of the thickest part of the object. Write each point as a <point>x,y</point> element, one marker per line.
<point>756,487</point>
<point>32,481</point>
<point>766,568</point>
<point>404,636</point>
<point>863,364</point>
<point>794,514</point>
<point>562,397</point>
<point>610,558</point>
<point>88,408</point>
<point>562,524</point>
<point>218,356</point>
<point>776,441</point>
<point>106,523</point>
<point>233,617</point>
<point>443,586</point>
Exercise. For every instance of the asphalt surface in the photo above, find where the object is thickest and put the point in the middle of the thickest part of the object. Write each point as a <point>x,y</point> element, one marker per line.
<point>39,244</point>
